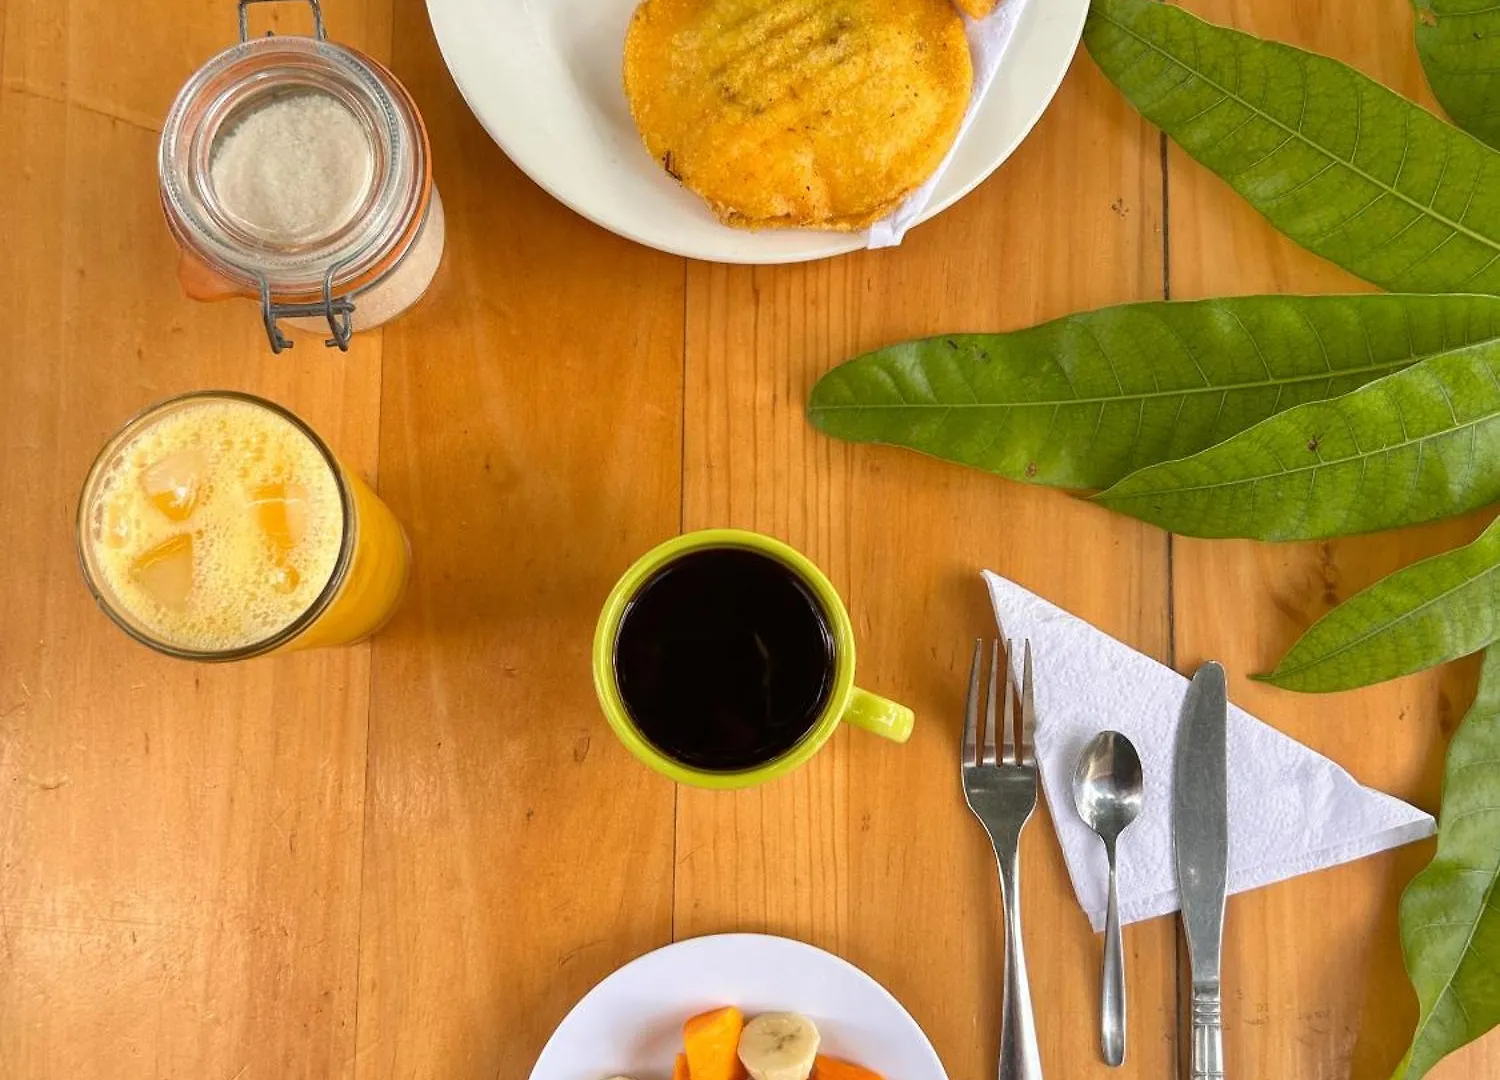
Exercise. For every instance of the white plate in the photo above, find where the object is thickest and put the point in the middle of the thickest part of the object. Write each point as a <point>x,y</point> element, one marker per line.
<point>631,1023</point>
<point>543,77</point>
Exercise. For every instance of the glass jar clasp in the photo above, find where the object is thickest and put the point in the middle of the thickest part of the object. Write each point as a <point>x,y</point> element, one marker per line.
<point>245,18</point>
<point>339,311</point>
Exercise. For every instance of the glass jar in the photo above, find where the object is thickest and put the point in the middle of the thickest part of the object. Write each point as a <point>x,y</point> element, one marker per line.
<point>298,172</point>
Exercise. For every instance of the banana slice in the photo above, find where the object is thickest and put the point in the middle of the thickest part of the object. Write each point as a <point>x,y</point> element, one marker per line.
<point>779,1046</point>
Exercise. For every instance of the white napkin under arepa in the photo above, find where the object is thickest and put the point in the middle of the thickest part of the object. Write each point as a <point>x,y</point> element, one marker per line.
<point>1291,810</point>
<point>988,39</point>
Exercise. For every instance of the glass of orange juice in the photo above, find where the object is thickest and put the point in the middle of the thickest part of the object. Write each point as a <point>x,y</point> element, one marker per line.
<point>219,526</point>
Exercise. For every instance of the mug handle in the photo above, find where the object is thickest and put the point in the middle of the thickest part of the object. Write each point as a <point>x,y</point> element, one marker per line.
<point>884,717</point>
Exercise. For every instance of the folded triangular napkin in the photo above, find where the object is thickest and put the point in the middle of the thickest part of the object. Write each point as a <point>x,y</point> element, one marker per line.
<point>1291,810</point>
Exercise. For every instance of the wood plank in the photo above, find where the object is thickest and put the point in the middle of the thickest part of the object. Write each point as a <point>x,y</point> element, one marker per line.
<point>179,844</point>
<point>515,853</point>
<point>869,851</point>
<point>1315,981</point>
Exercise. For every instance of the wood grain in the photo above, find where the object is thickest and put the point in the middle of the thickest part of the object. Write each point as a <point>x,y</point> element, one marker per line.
<point>1336,1003</point>
<point>870,851</point>
<point>127,61</point>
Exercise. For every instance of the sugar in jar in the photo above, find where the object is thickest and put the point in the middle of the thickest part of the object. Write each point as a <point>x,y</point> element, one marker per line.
<point>297,172</point>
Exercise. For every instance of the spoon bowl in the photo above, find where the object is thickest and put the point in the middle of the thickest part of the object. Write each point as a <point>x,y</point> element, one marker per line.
<point>1108,786</point>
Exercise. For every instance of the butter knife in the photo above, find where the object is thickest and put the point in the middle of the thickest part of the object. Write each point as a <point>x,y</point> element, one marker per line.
<point>1200,843</point>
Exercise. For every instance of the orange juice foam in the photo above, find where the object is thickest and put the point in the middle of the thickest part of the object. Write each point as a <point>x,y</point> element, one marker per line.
<point>216,525</point>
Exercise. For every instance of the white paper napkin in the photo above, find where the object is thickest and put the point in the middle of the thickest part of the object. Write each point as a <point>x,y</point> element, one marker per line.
<point>1291,810</point>
<point>988,39</point>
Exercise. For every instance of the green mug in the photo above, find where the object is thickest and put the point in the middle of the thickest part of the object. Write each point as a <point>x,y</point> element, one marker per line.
<point>847,702</point>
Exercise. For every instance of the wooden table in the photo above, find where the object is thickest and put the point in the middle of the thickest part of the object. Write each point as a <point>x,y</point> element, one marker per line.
<point>409,858</point>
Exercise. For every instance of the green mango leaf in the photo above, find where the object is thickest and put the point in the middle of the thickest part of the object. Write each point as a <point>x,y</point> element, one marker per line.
<point>1459,43</point>
<point>1450,913</point>
<point>1415,446</point>
<point>1343,166</point>
<point>1426,614</point>
<point>1084,400</point>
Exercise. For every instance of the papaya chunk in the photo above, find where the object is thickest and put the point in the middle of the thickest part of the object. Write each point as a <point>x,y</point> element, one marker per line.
<point>831,1068</point>
<point>712,1042</point>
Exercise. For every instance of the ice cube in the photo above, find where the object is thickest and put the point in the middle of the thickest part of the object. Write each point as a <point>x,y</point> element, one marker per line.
<point>285,578</point>
<point>112,524</point>
<point>174,483</point>
<point>281,509</point>
<point>166,571</point>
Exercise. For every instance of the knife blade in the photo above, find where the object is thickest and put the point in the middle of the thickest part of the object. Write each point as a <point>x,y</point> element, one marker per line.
<point>1200,845</point>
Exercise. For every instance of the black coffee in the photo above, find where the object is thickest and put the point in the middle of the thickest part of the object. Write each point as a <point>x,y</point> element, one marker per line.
<point>724,659</point>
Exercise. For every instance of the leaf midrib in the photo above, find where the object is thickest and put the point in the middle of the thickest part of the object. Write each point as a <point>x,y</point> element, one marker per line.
<point>1166,467</point>
<point>1283,673</point>
<point>1458,14</point>
<point>1463,955</point>
<point>1226,388</point>
<point>1426,211</point>
<point>1452,976</point>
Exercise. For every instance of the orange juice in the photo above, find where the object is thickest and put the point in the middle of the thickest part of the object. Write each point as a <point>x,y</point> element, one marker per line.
<point>217,526</point>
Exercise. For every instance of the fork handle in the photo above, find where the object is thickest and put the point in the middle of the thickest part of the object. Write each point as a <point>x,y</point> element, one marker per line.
<point>1019,1059</point>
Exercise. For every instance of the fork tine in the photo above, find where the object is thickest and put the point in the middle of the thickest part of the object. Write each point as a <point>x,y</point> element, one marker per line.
<point>987,757</point>
<point>1028,712</point>
<point>1008,754</point>
<point>971,707</point>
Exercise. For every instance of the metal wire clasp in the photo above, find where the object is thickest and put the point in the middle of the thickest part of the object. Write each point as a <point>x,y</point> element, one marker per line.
<point>245,18</point>
<point>339,311</point>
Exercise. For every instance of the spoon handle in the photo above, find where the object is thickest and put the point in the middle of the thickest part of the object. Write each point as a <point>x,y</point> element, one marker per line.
<point>1112,983</point>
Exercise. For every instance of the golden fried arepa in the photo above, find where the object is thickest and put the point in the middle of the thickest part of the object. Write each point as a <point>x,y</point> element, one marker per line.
<point>798,113</point>
<point>977,9</point>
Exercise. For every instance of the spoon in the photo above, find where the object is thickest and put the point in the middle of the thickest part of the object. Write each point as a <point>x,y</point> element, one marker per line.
<point>1107,787</point>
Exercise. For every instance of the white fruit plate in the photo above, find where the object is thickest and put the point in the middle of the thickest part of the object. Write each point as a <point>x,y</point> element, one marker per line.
<point>631,1023</point>
<point>543,77</point>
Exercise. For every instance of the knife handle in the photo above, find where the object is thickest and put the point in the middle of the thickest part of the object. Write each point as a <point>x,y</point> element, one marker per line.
<point>1208,1032</point>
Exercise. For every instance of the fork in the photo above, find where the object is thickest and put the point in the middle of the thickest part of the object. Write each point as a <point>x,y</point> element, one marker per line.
<point>1002,795</point>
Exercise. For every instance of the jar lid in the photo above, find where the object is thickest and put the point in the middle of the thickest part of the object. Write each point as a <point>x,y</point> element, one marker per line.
<point>296,170</point>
